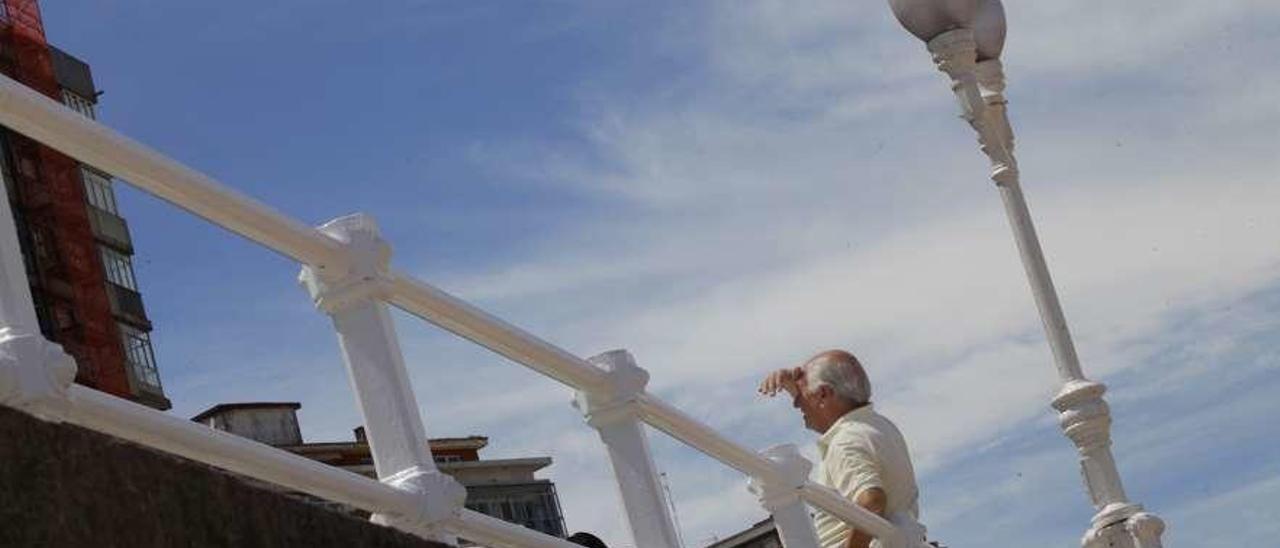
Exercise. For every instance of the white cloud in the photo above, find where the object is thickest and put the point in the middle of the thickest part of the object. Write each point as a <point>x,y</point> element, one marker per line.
<point>1245,516</point>
<point>798,196</point>
<point>1186,436</point>
<point>808,187</point>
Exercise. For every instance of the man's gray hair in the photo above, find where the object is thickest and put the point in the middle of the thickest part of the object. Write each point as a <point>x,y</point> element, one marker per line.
<point>841,371</point>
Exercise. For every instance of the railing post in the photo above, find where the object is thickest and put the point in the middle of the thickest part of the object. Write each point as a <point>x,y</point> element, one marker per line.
<point>780,496</point>
<point>371,351</point>
<point>34,372</point>
<point>613,415</point>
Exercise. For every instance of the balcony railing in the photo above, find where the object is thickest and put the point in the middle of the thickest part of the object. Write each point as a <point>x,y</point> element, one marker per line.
<point>345,267</point>
<point>127,303</point>
<point>110,228</point>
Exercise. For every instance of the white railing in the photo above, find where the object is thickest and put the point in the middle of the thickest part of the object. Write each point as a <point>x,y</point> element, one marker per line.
<point>346,270</point>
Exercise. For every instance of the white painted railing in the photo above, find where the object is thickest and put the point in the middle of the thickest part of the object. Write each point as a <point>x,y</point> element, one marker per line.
<point>346,270</point>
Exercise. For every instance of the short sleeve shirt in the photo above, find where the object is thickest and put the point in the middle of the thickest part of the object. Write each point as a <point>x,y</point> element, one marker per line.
<point>863,449</point>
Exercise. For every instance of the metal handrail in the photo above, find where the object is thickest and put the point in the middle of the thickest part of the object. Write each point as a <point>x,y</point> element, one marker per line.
<point>455,315</point>
<point>28,112</point>
<point>143,425</point>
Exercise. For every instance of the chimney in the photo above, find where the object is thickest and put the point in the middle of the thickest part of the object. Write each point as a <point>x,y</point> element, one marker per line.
<point>360,437</point>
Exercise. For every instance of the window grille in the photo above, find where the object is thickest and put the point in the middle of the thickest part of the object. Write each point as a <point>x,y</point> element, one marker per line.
<point>141,358</point>
<point>118,267</point>
<point>98,190</point>
<point>538,510</point>
<point>79,104</point>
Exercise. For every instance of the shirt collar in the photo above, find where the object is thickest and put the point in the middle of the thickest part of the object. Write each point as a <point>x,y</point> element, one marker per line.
<point>857,415</point>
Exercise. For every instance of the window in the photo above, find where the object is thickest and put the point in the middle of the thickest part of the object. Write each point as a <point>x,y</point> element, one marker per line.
<point>536,510</point>
<point>447,458</point>
<point>140,357</point>
<point>79,104</point>
<point>44,248</point>
<point>119,268</point>
<point>97,190</point>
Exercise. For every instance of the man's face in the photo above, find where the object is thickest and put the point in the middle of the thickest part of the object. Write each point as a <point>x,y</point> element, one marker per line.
<point>809,404</point>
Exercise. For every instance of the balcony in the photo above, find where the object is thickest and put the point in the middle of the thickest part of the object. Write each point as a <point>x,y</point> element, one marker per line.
<point>126,304</point>
<point>110,229</point>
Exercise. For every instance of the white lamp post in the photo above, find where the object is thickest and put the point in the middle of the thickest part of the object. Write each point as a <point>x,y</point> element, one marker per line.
<point>966,38</point>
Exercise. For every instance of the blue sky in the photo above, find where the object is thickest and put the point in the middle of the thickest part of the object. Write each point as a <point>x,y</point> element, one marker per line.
<point>726,187</point>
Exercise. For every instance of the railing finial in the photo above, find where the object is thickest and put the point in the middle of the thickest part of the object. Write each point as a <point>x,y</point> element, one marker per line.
<point>626,381</point>
<point>365,274</point>
<point>779,494</point>
<point>35,374</point>
<point>441,498</point>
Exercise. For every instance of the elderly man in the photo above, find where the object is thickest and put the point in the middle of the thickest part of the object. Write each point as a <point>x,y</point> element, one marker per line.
<point>863,455</point>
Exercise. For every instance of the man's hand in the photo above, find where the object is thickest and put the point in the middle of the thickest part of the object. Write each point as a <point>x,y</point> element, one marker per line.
<point>782,379</point>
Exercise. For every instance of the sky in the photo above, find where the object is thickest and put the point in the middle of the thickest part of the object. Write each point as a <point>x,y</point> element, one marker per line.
<point>724,188</point>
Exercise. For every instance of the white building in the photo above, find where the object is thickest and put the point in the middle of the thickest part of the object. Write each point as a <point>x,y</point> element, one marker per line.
<point>507,489</point>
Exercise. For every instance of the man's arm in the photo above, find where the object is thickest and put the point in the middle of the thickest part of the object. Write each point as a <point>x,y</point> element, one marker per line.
<point>873,499</point>
<point>780,380</point>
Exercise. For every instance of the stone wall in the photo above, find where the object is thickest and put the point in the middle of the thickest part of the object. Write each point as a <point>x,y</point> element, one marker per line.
<point>65,486</point>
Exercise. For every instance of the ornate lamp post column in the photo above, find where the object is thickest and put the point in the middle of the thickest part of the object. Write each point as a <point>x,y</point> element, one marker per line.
<point>966,38</point>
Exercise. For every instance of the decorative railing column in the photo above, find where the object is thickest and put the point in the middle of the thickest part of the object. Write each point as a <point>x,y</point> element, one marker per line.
<point>34,372</point>
<point>371,351</point>
<point>1084,415</point>
<point>780,496</point>
<point>613,415</point>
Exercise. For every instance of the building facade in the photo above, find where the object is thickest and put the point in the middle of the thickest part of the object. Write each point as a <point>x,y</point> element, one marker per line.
<point>506,489</point>
<point>761,535</point>
<point>76,246</point>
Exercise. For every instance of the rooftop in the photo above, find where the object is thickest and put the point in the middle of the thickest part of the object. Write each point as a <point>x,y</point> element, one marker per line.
<point>224,407</point>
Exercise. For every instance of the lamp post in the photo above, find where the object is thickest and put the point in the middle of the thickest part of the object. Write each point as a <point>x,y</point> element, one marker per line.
<point>966,38</point>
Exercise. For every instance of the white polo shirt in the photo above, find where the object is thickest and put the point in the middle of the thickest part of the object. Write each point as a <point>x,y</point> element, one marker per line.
<point>863,450</point>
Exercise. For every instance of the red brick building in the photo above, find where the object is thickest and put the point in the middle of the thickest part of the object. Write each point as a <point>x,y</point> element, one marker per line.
<point>76,246</point>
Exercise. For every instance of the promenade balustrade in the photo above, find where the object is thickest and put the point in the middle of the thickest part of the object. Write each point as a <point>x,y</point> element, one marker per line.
<point>346,268</point>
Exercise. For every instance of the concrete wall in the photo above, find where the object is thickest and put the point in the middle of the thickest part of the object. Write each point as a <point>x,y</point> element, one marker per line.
<point>61,485</point>
<point>272,426</point>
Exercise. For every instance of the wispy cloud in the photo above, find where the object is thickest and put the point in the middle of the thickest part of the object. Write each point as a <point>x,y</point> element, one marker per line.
<point>768,178</point>
<point>808,190</point>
